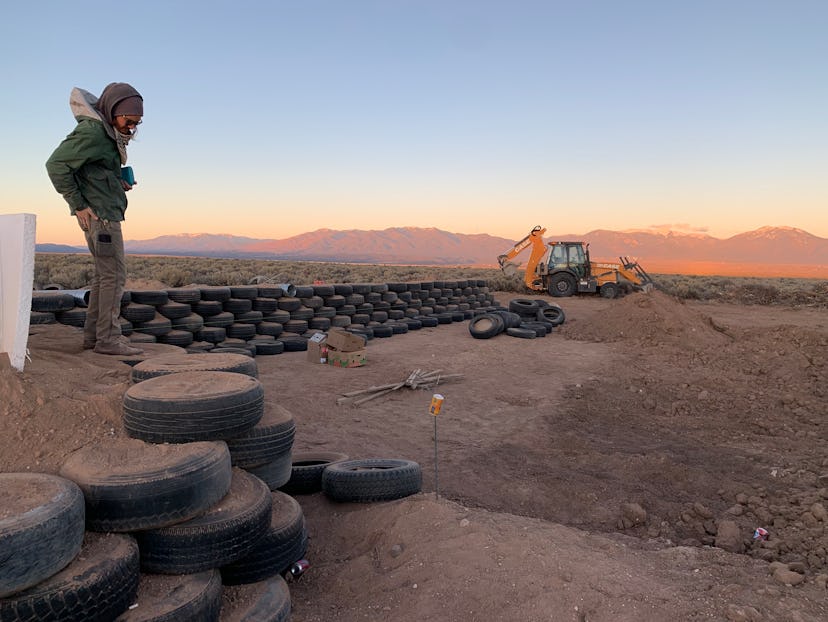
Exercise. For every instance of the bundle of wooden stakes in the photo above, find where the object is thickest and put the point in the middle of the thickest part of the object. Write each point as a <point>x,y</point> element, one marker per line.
<point>418,379</point>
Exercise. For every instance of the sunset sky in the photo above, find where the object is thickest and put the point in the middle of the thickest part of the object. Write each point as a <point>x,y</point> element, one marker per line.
<point>269,119</point>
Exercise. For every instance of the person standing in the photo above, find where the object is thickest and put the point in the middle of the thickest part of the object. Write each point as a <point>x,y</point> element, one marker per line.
<point>86,169</point>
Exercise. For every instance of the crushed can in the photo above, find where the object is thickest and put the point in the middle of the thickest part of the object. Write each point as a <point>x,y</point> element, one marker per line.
<point>296,570</point>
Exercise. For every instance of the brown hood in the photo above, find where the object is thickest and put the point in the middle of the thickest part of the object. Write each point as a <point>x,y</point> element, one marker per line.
<point>111,95</point>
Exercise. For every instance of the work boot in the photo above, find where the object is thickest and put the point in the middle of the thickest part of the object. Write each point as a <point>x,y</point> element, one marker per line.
<point>88,345</point>
<point>118,348</point>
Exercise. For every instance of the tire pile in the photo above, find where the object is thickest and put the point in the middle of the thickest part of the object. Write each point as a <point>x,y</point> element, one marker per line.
<point>524,318</point>
<point>183,521</point>
<point>264,320</point>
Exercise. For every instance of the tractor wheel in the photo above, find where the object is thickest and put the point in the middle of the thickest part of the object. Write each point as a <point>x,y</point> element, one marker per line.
<point>561,285</point>
<point>609,290</point>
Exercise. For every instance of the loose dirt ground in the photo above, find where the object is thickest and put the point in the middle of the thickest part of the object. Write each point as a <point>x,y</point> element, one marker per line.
<point>593,474</point>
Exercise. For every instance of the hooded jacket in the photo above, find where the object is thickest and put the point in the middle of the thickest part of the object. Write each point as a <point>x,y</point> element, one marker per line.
<point>86,167</point>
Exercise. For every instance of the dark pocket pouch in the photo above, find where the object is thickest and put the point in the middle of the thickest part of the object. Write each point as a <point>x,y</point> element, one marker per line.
<point>104,246</point>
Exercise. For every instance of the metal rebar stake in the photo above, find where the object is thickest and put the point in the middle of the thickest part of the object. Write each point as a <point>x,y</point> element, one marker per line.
<point>436,478</point>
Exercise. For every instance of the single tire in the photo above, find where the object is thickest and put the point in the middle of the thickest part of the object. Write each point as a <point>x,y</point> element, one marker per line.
<point>41,528</point>
<point>383,330</point>
<point>294,344</point>
<point>486,326</point>
<point>265,601</point>
<point>220,293</point>
<point>192,322</point>
<point>372,479</point>
<point>270,291</point>
<point>150,297</point>
<point>99,584</point>
<point>541,328</point>
<point>177,598</point>
<point>72,317</point>
<point>157,326</point>
<point>130,485</point>
<point>52,301</point>
<point>41,317</point>
<point>207,308</point>
<point>283,543</point>
<point>211,334</point>
<point>428,321</point>
<point>193,406</point>
<point>245,351</point>
<point>221,320</point>
<point>177,363</point>
<point>522,333</point>
<point>265,305</point>
<point>184,294</point>
<point>552,314</point>
<point>324,290</point>
<point>175,310</point>
<point>306,471</point>
<point>268,348</point>
<point>289,303</point>
<point>249,317</point>
<point>524,307</point>
<point>224,533</point>
<point>562,284</point>
<point>241,331</point>
<point>269,328</point>
<point>609,290</point>
<point>238,305</point>
<point>268,440</point>
<point>248,292</point>
<point>275,473</point>
<point>510,320</point>
<point>180,338</point>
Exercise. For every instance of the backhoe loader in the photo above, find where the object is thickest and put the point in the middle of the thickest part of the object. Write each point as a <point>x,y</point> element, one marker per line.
<point>564,268</point>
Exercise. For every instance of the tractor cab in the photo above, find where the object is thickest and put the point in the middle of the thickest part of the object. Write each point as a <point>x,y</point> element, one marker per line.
<point>573,257</point>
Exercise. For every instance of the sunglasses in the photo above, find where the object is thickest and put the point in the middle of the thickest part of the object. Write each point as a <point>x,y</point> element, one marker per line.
<point>131,122</point>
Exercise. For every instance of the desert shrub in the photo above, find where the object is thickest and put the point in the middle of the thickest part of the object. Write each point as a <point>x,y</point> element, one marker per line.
<point>74,271</point>
<point>173,276</point>
<point>757,293</point>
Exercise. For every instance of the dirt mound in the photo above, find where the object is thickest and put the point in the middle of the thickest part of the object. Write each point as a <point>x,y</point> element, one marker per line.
<point>64,399</point>
<point>651,320</point>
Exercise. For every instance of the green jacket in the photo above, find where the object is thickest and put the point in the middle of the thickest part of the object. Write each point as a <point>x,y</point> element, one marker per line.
<point>86,170</point>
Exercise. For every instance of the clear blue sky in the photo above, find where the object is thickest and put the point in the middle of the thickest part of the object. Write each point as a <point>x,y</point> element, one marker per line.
<point>268,119</point>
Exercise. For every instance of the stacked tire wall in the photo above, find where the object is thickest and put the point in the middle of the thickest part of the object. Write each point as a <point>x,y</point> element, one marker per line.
<point>262,319</point>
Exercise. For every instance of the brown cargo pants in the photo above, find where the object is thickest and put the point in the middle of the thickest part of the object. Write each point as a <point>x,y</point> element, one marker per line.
<point>106,243</point>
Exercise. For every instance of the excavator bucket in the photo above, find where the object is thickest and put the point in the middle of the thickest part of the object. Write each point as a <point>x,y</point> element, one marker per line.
<point>646,283</point>
<point>510,268</point>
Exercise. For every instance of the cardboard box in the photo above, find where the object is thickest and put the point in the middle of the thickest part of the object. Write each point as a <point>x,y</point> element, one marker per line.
<point>357,358</point>
<point>318,349</point>
<point>343,341</point>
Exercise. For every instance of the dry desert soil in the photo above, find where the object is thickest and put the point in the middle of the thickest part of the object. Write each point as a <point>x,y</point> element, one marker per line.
<point>614,470</point>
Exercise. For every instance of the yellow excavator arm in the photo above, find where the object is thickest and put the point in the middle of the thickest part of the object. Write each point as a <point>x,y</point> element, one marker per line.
<point>535,240</point>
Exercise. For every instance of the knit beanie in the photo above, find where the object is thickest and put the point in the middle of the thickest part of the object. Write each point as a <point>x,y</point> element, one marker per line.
<point>133,106</point>
<point>120,98</point>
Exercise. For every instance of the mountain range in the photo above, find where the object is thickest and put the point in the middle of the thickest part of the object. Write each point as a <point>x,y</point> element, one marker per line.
<point>768,251</point>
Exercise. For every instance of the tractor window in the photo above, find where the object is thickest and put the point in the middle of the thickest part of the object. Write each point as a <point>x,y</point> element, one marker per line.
<point>576,255</point>
<point>558,256</point>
